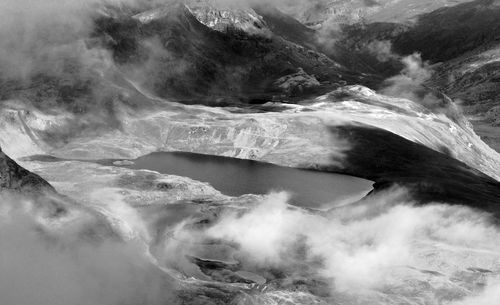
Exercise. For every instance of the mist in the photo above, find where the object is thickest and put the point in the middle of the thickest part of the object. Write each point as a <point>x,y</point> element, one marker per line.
<point>361,250</point>
<point>43,264</point>
<point>412,83</point>
<point>414,74</point>
<point>366,247</point>
<point>381,244</point>
<point>36,34</point>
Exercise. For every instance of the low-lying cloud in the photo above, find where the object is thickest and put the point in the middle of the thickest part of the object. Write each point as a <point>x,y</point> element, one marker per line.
<point>414,74</point>
<point>381,242</point>
<point>411,83</point>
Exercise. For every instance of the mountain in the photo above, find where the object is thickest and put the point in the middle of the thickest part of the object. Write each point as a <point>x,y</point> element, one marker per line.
<point>187,60</point>
<point>438,35</point>
<point>173,152</point>
<point>463,66</point>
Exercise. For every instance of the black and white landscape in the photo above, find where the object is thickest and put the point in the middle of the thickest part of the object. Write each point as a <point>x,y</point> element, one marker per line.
<point>243,152</point>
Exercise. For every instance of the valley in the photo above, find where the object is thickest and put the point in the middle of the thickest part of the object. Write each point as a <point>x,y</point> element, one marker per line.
<point>212,152</point>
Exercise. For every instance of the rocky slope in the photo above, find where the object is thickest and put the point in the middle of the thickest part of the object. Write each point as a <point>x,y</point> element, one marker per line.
<point>14,177</point>
<point>328,12</point>
<point>191,61</point>
<point>473,79</point>
<point>224,16</point>
<point>463,66</point>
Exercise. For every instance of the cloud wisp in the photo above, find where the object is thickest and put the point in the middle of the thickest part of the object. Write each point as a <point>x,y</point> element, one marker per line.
<point>40,264</point>
<point>366,248</point>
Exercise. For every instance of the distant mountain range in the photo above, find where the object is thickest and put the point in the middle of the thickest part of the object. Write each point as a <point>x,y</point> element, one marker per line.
<point>317,13</point>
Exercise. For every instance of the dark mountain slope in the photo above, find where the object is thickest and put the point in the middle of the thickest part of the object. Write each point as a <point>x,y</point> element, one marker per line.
<point>389,159</point>
<point>175,55</point>
<point>14,177</point>
<point>450,32</point>
<point>287,27</point>
<point>359,48</point>
<point>439,36</point>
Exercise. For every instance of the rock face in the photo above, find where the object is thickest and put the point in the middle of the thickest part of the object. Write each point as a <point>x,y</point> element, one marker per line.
<point>297,83</point>
<point>14,177</point>
<point>221,17</point>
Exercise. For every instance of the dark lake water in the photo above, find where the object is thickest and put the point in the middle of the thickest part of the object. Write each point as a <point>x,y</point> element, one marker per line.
<point>237,177</point>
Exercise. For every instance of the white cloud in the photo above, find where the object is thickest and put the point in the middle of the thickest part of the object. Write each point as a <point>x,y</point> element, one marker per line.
<point>364,247</point>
